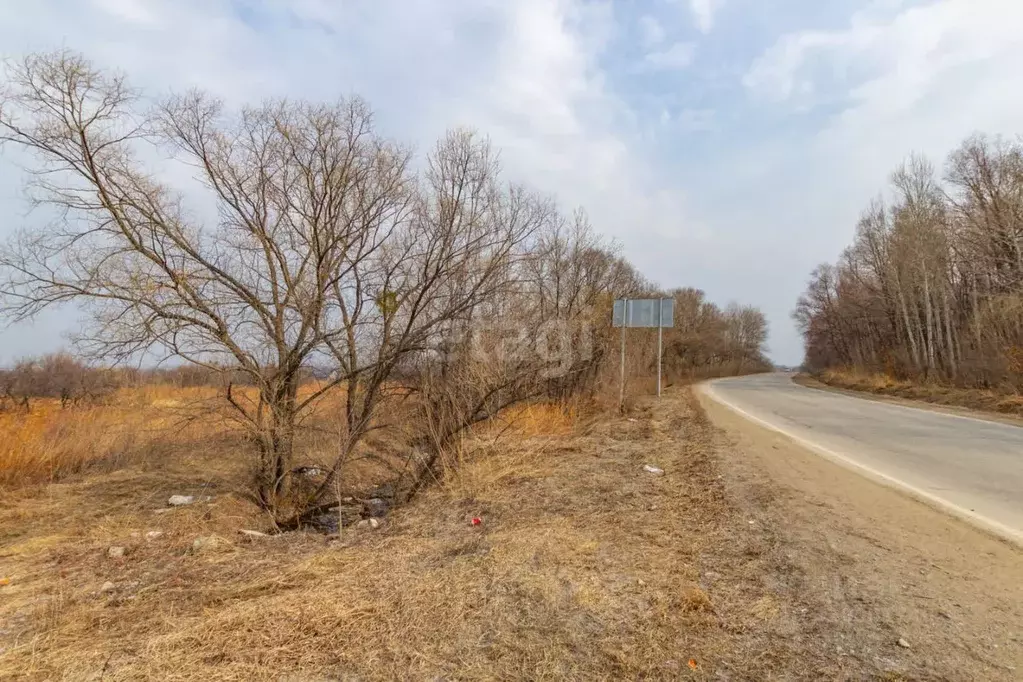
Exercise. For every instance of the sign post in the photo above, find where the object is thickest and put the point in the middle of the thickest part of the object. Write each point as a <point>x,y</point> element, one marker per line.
<point>660,341</point>
<point>646,313</point>
<point>621,388</point>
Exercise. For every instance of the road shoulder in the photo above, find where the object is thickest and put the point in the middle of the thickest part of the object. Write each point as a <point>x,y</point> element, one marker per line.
<point>879,565</point>
<point>807,381</point>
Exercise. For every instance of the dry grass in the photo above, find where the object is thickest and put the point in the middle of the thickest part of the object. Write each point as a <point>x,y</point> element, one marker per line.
<point>882,384</point>
<point>50,442</point>
<point>584,567</point>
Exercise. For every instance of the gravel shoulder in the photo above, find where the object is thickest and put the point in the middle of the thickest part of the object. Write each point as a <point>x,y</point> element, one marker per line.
<point>876,566</point>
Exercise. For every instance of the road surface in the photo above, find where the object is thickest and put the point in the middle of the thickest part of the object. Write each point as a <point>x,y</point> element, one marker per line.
<point>970,467</point>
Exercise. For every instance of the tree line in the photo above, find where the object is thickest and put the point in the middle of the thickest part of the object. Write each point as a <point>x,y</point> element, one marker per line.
<point>336,264</point>
<point>931,288</point>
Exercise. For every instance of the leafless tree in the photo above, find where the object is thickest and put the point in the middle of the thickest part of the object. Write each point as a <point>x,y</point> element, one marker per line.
<point>932,285</point>
<point>324,245</point>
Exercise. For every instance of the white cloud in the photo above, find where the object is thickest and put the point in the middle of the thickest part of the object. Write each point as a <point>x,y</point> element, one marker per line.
<point>697,120</point>
<point>651,30</point>
<point>528,73</point>
<point>704,13</point>
<point>674,57</point>
<point>885,56</point>
<point>896,79</point>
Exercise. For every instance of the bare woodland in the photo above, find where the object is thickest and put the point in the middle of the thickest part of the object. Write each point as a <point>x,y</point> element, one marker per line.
<point>932,287</point>
<point>322,256</point>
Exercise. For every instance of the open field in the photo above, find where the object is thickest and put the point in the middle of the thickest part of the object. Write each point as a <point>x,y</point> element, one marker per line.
<point>880,384</point>
<point>585,566</point>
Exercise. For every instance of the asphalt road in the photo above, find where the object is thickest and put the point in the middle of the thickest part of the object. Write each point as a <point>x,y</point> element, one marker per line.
<point>970,467</point>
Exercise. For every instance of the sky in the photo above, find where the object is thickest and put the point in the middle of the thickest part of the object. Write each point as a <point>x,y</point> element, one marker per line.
<point>727,145</point>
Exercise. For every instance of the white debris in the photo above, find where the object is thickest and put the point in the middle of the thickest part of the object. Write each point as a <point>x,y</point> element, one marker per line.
<point>252,533</point>
<point>653,470</point>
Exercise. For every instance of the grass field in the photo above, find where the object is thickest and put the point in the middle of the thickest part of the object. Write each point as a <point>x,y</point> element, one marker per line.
<point>583,566</point>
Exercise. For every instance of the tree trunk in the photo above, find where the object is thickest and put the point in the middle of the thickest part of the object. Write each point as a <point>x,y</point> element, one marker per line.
<point>928,322</point>
<point>277,440</point>
<point>909,327</point>
<point>949,343</point>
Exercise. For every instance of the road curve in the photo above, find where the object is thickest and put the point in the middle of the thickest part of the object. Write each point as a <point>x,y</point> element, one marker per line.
<point>970,467</point>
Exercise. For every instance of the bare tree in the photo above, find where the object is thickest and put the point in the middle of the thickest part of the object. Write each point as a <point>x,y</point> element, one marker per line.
<point>325,245</point>
<point>931,286</point>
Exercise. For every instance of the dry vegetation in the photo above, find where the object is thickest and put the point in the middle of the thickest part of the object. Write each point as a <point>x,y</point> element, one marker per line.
<point>938,394</point>
<point>584,566</point>
<point>352,333</point>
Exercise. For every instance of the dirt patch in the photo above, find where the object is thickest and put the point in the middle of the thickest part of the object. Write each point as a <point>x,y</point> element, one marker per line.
<point>873,566</point>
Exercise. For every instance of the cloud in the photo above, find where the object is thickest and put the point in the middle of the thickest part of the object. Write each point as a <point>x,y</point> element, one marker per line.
<point>674,57</point>
<point>704,12</point>
<point>651,30</point>
<point>697,120</point>
<point>838,109</point>
<point>736,169</point>
<point>530,74</point>
<point>884,54</point>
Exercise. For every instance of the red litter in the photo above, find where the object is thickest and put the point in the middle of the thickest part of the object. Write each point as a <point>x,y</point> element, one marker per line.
<point>476,521</point>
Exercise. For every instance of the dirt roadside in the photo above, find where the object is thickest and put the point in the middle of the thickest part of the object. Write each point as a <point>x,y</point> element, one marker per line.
<point>876,565</point>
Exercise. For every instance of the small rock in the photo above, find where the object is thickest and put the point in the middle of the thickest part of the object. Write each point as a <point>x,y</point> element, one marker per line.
<point>153,534</point>
<point>374,523</point>
<point>116,552</point>
<point>363,524</point>
<point>181,500</point>
<point>308,472</point>
<point>207,542</point>
<point>652,507</point>
<point>253,534</point>
<point>903,643</point>
<point>653,470</point>
<point>108,587</point>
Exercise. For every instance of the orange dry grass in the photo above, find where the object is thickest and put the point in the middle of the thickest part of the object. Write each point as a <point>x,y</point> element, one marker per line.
<point>535,419</point>
<point>51,442</point>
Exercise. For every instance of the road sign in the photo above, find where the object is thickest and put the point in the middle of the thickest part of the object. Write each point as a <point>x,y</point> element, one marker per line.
<point>649,313</point>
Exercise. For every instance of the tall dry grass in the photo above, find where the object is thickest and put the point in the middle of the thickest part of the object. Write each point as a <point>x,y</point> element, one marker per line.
<point>50,442</point>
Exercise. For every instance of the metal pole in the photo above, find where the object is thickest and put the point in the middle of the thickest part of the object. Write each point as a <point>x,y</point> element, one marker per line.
<point>621,391</point>
<point>660,337</point>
